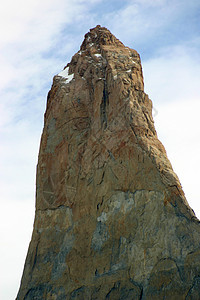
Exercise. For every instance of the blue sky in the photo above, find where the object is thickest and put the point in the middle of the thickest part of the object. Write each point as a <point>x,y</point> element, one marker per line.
<point>37,39</point>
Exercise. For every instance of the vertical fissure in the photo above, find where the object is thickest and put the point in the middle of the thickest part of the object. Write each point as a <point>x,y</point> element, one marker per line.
<point>103,107</point>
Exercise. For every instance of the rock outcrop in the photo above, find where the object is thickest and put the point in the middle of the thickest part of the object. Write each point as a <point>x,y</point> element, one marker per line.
<point>111,219</point>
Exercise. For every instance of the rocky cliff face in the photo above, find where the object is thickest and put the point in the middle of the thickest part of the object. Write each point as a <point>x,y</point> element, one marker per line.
<point>111,220</point>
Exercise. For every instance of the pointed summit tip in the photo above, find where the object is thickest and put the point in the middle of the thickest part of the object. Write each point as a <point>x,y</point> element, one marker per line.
<point>101,36</point>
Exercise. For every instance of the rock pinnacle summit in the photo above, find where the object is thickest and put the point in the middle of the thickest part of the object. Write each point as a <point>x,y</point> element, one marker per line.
<point>111,219</point>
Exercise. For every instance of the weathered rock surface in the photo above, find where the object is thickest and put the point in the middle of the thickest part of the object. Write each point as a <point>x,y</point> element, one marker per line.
<point>111,220</point>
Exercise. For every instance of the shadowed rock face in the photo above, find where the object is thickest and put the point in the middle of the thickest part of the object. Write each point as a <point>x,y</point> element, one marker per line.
<point>111,220</point>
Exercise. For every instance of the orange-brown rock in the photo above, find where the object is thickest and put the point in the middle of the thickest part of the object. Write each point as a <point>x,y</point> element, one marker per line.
<point>111,219</point>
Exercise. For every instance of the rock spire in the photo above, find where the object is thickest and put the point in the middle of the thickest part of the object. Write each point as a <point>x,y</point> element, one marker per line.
<point>111,219</point>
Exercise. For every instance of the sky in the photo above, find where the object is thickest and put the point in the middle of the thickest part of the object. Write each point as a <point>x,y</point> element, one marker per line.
<point>37,39</point>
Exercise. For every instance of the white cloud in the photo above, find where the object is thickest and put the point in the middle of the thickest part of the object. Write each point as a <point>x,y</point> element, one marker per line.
<point>178,128</point>
<point>146,25</point>
<point>15,234</point>
<point>33,19</point>
<point>18,153</point>
<point>135,19</point>
<point>176,70</point>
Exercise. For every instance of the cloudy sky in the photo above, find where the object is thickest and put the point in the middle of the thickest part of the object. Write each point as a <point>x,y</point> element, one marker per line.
<point>37,39</point>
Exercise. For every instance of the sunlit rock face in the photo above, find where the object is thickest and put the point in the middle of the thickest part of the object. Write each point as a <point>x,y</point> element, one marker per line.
<point>111,219</point>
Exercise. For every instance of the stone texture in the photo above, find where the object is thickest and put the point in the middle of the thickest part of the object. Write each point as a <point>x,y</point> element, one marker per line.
<point>111,219</point>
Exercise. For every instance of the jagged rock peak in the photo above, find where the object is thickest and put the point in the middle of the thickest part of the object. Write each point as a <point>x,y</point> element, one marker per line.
<point>100,36</point>
<point>103,57</point>
<point>111,220</point>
